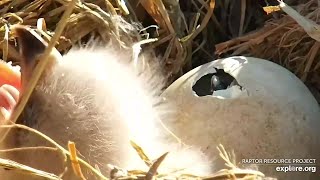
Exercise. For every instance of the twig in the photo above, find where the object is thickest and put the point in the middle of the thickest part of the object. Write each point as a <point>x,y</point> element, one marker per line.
<point>12,165</point>
<point>153,169</point>
<point>74,160</point>
<point>122,5</point>
<point>310,59</point>
<point>204,22</point>
<point>5,43</point>
<point>28,148</point>
<point>110,7</point>
<point>243,15</point>
<point>141,153</point>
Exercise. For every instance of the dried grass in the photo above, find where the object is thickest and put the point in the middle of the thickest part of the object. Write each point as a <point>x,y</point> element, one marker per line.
<point>179,39</point>
<point>231,172</point>
<point>285,42</point>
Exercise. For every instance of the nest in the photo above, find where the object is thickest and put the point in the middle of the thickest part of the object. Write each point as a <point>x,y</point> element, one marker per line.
<point>283,41</point>
<point>186,33</point>
<point>183,38</point>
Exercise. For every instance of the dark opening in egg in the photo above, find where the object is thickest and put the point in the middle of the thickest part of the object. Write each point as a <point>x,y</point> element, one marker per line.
<point>211,82</point>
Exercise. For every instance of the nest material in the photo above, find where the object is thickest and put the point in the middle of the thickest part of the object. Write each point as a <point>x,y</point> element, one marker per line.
<point>182,35</point>
<point>186,32</point>
<point>284,41</point>
<point>87,20</point>
<point>231,171</point>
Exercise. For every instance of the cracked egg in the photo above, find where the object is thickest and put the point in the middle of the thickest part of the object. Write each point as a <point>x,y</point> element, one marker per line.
<point>252,106</point>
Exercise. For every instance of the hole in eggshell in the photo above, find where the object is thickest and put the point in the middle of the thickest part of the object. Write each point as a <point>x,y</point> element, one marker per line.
<point>220,80</point>
<point>203,86</point>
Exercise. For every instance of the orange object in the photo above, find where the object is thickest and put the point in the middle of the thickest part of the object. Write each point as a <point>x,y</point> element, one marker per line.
<point>271,9</point>
<point>10,75</point>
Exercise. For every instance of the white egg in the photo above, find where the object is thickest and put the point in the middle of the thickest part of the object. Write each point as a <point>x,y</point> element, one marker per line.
<point>271,114</point>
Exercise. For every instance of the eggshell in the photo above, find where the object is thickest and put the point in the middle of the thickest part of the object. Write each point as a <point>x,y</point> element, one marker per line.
<point>271,114</point>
